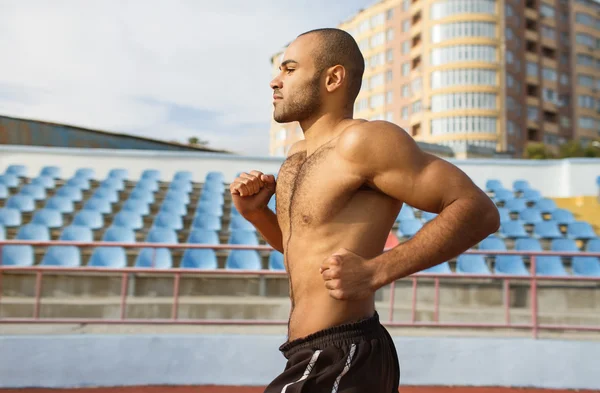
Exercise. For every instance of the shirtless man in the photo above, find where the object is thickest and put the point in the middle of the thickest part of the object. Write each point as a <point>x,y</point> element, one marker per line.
<point>337,196</point>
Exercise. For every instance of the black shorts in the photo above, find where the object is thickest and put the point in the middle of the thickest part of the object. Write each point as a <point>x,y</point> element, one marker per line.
<point>354,357</point>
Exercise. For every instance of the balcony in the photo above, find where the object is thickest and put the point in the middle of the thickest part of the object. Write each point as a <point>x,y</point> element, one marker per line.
<point>533,101</point>
<point>551,127</point>
<point>531,13</point>
<point>532,35</point>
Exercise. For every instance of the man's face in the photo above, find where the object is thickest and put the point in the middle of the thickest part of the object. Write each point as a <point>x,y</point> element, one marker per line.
<point>296,91</point>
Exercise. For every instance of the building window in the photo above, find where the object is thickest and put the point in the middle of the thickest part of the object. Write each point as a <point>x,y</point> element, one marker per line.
<point>463,53</point>
<point>389,116</point>
<point>565,121</point>
<point>532,113</point>
<point>416,107</point>
<point>585,101</point>
<point>389,14</point>
<point>458,101</point>
<point>389,98</point>
<point>388,76</point>
<point>389,35</point>
<point>532,69</point>
<point>416,84</point>
<point>405,5</point>
<point>389,55</point>
<point>405,69</point>
<point>451,7</point>
<point>405,47</point>
<point>377,39</point>
<point>564,79</point>
<point>463,125</point>
<point>376,101</point>
<point>587,122</point>
<point>586,39</point>
<point>585,80</point>
<point>548,32</point>
<point>547,10</point>
<point>405,90</point>
<point>463,76</point>
<point>405,112</point>
<point>376,81</point>
<point>448,31</point>
<point>406,25</point>
<point>549,74</point>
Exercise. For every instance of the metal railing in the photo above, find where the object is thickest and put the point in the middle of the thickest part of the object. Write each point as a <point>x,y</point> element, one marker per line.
<point>534,325</point>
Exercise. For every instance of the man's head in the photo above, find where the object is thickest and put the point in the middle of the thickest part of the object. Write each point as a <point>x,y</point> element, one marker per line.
<point>322,67</point>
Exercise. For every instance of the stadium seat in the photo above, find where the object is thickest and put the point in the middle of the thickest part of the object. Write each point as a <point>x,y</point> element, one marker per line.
<point>89,218</point>
<point>504,214</point>
<point>240,223</point>
<point>111,195</point>
<point>547,230</point>
<point>213,187</point>
<point>136,205</point>
<point>177,196</point>
<point>33,232</point>
<point>593,245</point>
<point>471,263</point>
<point>562,216</point>
<point>272,204</point>
<point>550,266</point>
<point>243,259</point>
<point>173,208</point>
<point>145,195</point>
<point>408,228</point>
<point>428,216</point>
<point>79,182</point>
<point>491,185</point>
<point>37,192</point>
<point>520,185</point>
<point>564,245</point>
<point>2,233</point>
<point>442,268</point>
<point>531,215</point>
<point>23,203</point>
<point>515,205</point>
<point>159,258</point>
<point>546,206</point>
<point>113,183</point>
<point>10,217</point>
<point>62,256</point>
<point>212,207</point>
<point>119,235</point>
<point>202,258</point>
<point>243,237</point>
<point>580,230</point>
<point>510,264</point>
<point>73,193</point>
<point>211,197</point>
<point>53,172</point>
<point>62,204</point>
<point>215,176</point>
<point>50,218</point>
<point>203,236</point>
<point>9,180</point>
<point>85,173</point>
<point>110,257</point>
<point>3,191</point>
<point>181,185</point>
<point>502,195</point>
<point>168,220</point>
<point>492,243</point>
<point>406,213</point>
<point>183,175</point>
<point>46,182</point>
<point>586,266</point>
<point>17,170</point>
<point>118,173</point>
<point>128,219</point>
<point>151,174</point>
<point>98,204</point>
<point>528,244</point>
<point>162,235</point>
<point>276,260</point>
<point>147,184</point>
<point>531,195</point>
<point>23,255</point>
<point>77,233</point>
<point>513,230</point>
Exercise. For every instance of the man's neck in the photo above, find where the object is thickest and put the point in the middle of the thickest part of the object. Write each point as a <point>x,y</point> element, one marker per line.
<point>323,129</point>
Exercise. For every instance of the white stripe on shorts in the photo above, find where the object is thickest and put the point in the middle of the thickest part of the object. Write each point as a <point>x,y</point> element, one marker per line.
<point>309,368</point>
<point>336,384</point>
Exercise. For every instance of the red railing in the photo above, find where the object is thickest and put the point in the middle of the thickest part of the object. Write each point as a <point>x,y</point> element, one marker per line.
<point>125,273</point>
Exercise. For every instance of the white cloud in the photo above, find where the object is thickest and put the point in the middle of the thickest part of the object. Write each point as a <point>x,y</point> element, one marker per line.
<point>118,65</point>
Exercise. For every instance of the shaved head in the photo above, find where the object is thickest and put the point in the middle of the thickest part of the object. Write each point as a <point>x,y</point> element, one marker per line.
<point>337,47</point>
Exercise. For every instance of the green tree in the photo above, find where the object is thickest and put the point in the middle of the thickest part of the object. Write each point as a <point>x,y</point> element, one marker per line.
<point>195,141</point>
<point>538,151</point>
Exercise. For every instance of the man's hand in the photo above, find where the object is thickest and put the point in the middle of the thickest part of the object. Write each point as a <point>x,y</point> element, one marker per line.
<point>252,191</point>
<point>348,276</point>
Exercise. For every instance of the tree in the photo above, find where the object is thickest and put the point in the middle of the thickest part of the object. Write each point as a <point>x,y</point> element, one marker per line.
<point>574,148</point>
<point>195,141</point>
<point>538,151</point>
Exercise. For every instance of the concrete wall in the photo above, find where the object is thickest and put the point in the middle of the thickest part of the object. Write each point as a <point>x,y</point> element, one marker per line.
<point>554,178</point>
<point>118,360</point>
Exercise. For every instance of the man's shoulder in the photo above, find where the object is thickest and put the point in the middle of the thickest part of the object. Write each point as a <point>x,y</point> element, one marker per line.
<point>297,147</point>
<point>362,137</point>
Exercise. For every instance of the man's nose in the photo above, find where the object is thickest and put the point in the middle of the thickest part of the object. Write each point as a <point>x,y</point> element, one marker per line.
<point>276,83</point>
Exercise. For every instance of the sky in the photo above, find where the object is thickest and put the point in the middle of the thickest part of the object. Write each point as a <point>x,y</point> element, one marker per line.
<point>166,69</point>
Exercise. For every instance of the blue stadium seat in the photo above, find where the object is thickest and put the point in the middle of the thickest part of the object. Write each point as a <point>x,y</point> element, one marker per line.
<point>510,264</point>
<point>77,233</point>
<point>504,214</point>
<point>580,230</point>
<point>79,182</point>
<point>3,191</point>
<point>136,205</point>
<point>10,217</point>
<point>118,173</point>
<point>213,187</point>
<point>38,193</point>
<point>492,243</point>
<point>177,196</point>
<point>111,257</point>
<point>85,173</point>
<point>62,256</point>
<point>151,174</point>
<point>491,185</point>
<point>234,211</point>
<point>243,237</point>
<point>547,230</point>
<point>550,265</point>
<point>276,260</point>
<point>183,175</point>
<point>147,184</point>
<point>212,197</point>
<point>528,244</point>
<point>586,266</point>
<point>89,218</point>
<point>531,195</point>
<point>215,176</point>
<point>24,255</point>
<point>111,195</point>
<point>98,204</point>
<point>50,218</point>
<point>531,215</point>
<point>159,258</point>
<point>128,219</point>
<point>503,195</point>
<point>520,185</point>
<point>181,185</point>
<point>73,193</point>
<point>408,228</point>
<point>23,203</point>
<point>173,208</point>
<point>214,208</point>
<point>33,232</point>
<point>406,213</point>
<point>10,181</point>
<point>18,170</point>
<point>564,245</point>
<point>562,216</point>
<point>168,220</point>
<point>272,203</point>
<point>62,204</point>
<point>145,195</point>
<point>515,205</point>
<point>593,245</point>
<point>45,181</point>
<point>513,230</point>
<point>51,171</point>
<point>442,268</point>
<point>428,216</point>
<point>113,183</point>
<point>203,236</point>
<point>240,223</point>
<point>546,205</point>
<point>243,259</point>
<point>199,259</point>
<point>119,235</point>
<point>471,263</point>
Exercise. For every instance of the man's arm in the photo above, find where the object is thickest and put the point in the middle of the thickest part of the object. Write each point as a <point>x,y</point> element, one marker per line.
<point>390,160</point>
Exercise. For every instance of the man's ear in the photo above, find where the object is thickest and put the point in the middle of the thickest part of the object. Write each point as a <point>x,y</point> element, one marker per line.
<point>336,76</point>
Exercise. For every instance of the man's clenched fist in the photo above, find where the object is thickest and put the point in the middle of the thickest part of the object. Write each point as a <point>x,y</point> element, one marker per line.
<point>348,276</point>
<point>252,191</point>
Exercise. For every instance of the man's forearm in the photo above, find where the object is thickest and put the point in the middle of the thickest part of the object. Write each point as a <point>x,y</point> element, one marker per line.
<point>457,228</point>
<point>265,222</point>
